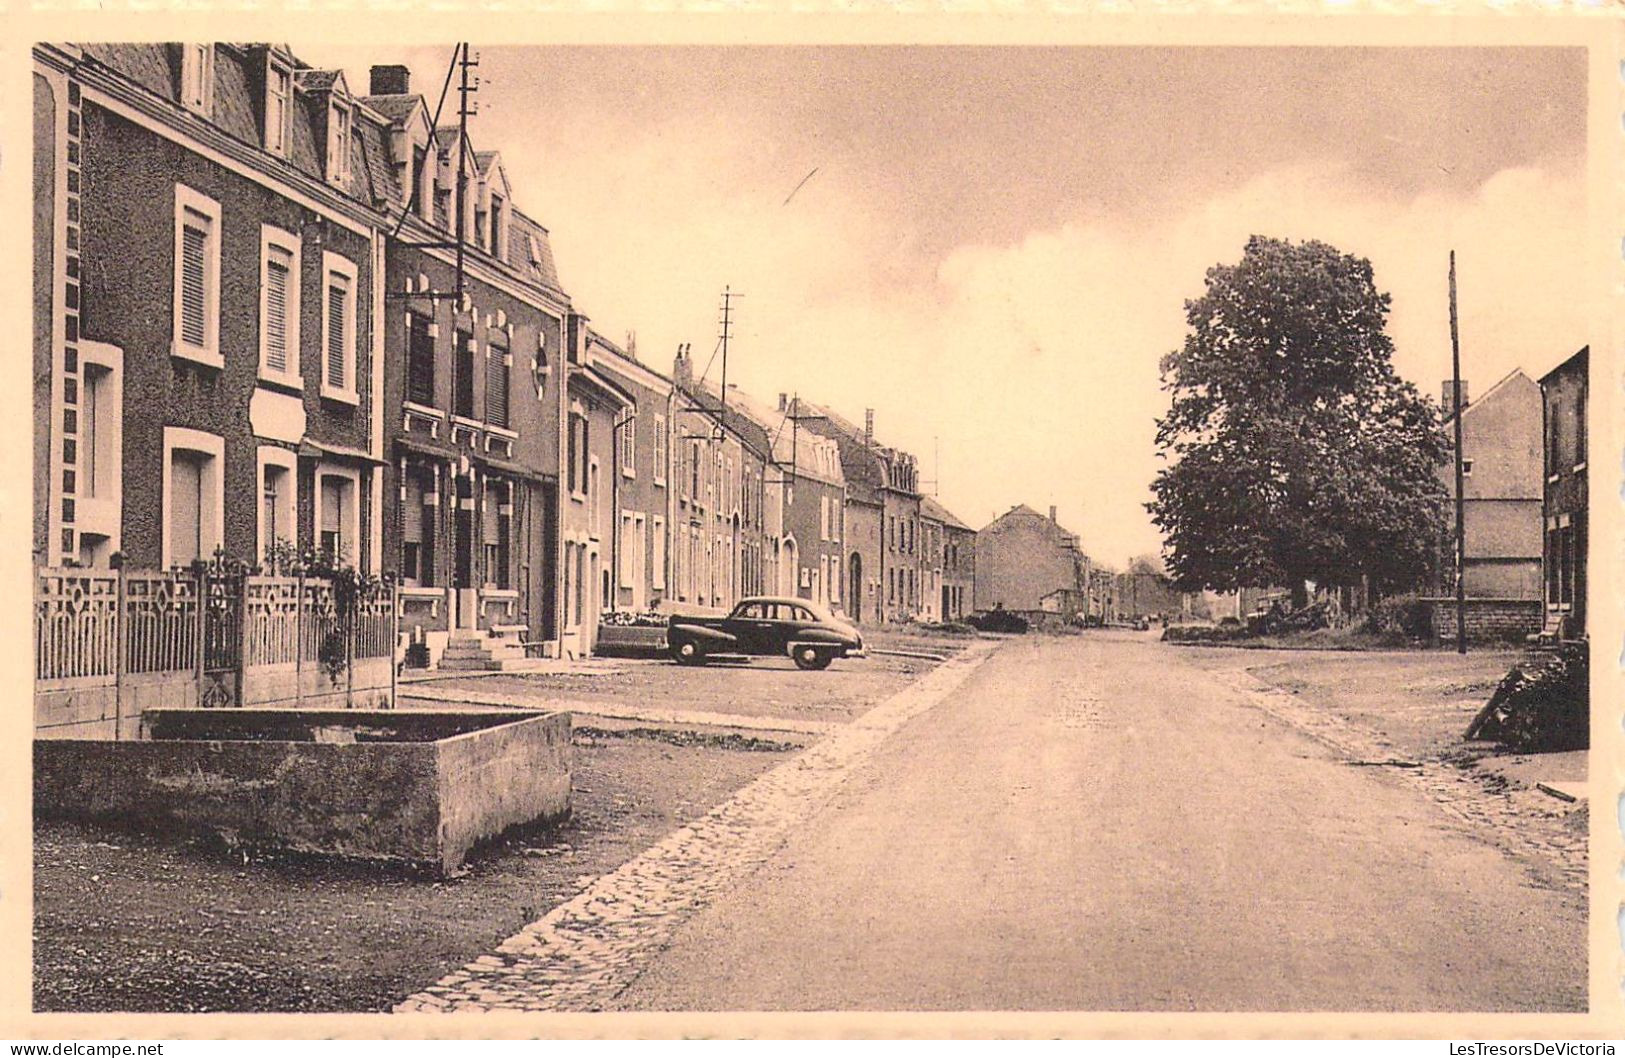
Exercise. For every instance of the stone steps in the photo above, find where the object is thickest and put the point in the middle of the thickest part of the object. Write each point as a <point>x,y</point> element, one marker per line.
<point>483,652</point>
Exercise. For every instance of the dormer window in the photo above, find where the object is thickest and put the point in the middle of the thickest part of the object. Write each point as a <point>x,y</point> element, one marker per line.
<point>499,227</point>
<point>197,76</point>
<point>338,142</point>
<point>278,105</point>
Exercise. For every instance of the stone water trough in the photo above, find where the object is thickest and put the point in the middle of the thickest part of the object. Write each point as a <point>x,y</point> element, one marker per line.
<point>416,788</point>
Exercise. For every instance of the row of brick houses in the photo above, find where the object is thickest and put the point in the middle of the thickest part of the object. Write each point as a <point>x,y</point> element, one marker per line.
<point>264,330</point>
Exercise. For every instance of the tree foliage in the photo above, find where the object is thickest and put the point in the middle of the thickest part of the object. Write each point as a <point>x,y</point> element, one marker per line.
<point>1295,452</point>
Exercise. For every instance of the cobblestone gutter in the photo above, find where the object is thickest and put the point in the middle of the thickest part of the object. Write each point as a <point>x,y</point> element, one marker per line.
<point>1516,829</point>
<point>585,951</point>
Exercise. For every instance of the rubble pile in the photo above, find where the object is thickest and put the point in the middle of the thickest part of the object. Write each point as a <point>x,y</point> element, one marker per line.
<point>1278,620</point>
<point>1541,705</point>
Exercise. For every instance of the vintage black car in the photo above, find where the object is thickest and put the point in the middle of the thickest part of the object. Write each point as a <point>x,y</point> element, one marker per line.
<point>765,626</point>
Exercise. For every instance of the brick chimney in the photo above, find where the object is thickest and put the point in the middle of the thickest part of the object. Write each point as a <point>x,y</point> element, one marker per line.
<point>391,81</point>
<point>1052,514</point>
<point>1447,398</point>
<point>868,426</point>
<point>682,369</point>
<point>784,402</point>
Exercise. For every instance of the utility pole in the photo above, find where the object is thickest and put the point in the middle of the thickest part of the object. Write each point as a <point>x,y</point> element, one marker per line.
<point>1461,524</point>
<point>464,111</point>
<point>727,329</point>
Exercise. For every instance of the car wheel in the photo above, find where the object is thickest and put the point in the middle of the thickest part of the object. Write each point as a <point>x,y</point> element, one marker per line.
<point>688,654</point>
<point>811,658</point>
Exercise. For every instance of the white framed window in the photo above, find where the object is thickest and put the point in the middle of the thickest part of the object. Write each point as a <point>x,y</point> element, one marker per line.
<point>338,328</point>
<point>278,489</point>
<point>657,562</point>
<point>338,513</point>
<point>594,498</point>
<point>628,562</point>
<point>278,105</point>
<point>279,305</point>
<point>660,450</point>
<point>197,278</point>
<point>823,517</point>
<point>629,448</point>
<point>193,496</point>
<point>338,141</point>
<point>499,226</point>
<point>197,76</point>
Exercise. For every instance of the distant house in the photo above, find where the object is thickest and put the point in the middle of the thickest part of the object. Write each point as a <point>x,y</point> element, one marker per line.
<point>638,481</point>
<point>882,516</point>
<point>1143,590</point>
<point>1022,557</point>
<point>1565,502</point>
<point>804,500</point>
<point>948,562</point>
<point>1501,491</point>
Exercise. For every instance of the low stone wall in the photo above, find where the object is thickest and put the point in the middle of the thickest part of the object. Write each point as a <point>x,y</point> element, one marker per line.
<point>310,687</point>
<point>1489,620</point>
<point>630,641</point>
<point>96,707</point>
<point>415,788</point>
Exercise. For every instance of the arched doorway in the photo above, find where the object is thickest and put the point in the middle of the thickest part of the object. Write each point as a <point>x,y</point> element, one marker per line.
<point>854,594</point>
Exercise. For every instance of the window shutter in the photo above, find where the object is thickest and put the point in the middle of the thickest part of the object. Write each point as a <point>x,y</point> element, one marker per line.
<point>490,529</point>
<point>412,511</point>
<point>194,293</point>
<point>496,387</point>
<point>420,366</point>
<point>277,271</point>
<point>338,292</point>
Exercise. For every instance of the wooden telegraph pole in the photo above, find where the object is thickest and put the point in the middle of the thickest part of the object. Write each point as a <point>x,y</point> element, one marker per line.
<point>1461,529</point>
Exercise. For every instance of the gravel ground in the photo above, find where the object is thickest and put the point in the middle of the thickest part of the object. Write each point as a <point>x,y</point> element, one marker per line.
<point>1412,707</point>
<point>762,687</point>
<point>126,923</point>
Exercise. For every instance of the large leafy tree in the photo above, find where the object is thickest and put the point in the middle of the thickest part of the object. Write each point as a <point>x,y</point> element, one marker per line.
<point>1295,453</point>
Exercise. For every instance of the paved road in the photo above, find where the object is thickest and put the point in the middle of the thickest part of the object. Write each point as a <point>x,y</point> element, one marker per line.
<point>1090,823</point>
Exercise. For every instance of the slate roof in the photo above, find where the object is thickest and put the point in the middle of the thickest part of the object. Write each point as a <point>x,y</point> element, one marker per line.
<point>374,180</point>
<point>930,508</point>
<point>777,426</point>
<point>862,466</point>
<point>733,419</point>
<point>396,108</point>
<point>232,109</point>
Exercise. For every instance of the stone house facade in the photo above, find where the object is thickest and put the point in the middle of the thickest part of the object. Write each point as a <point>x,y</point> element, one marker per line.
<point>208,344</point>
<point>1501,491</point>
<point>720,535</point>
<point>596,408</point>
<point>806,489</point>
<point>1143,590</point>
<point>1021,557</point>
<point>948,563</point>
<point>640,492</point>
<point>882,539</point>
<point>1564,392</point>
<point>474,426</point>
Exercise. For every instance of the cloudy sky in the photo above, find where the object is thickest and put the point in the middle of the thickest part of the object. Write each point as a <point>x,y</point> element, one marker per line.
<point>995,245</point>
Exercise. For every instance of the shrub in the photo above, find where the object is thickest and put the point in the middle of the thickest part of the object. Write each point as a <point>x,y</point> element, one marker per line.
<point>1406,615</point>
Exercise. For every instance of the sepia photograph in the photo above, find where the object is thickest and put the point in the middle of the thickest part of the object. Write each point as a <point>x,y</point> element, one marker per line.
<point>636,528</point>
